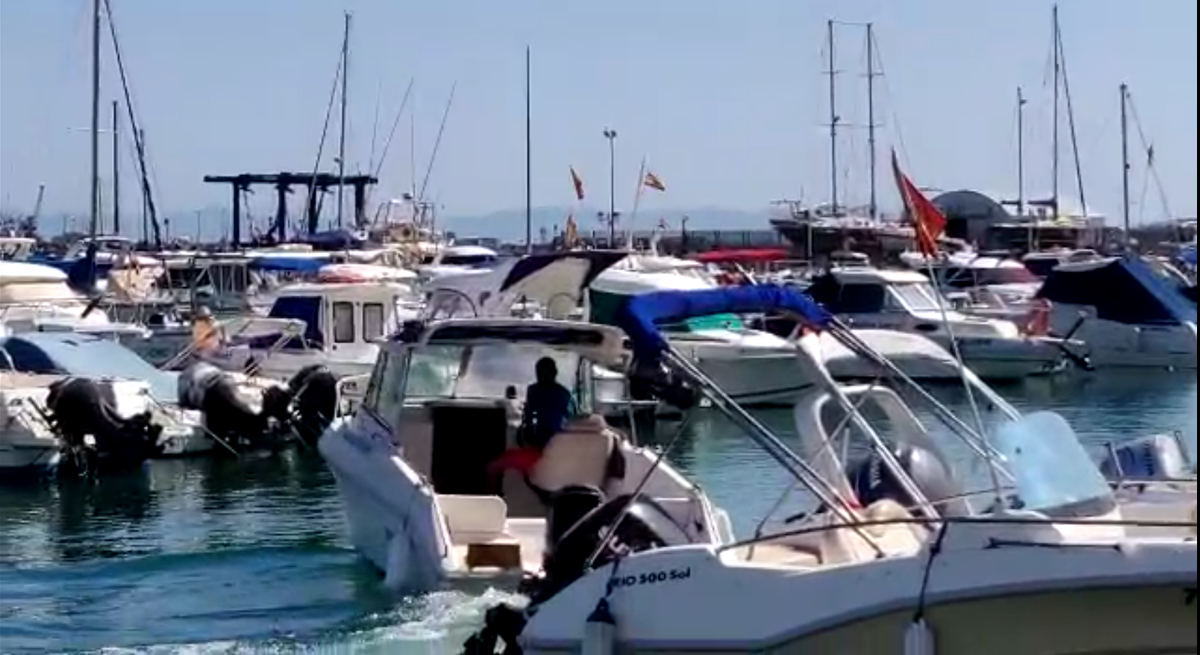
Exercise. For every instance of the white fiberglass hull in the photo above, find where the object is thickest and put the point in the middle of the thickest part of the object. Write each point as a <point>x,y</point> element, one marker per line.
<point>1000,359</point>
<point>19,461</point>
<point>1029,597</point>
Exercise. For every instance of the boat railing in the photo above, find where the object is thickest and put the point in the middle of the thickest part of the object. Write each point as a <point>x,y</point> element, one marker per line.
<point>244,327</point>
<point>942,525</point>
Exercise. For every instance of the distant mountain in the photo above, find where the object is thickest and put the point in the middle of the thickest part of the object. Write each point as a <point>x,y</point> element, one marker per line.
<point>509,224</point>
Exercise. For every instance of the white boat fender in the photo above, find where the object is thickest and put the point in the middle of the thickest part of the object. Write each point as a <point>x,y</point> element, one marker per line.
<point>919,639</point>
<point>600,631</point>
<point>399,560</point>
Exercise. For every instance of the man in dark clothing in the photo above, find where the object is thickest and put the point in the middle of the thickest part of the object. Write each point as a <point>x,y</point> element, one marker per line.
<point>548,406</point>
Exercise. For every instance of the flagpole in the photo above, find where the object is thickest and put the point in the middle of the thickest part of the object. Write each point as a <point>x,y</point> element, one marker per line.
<point>637,200</point>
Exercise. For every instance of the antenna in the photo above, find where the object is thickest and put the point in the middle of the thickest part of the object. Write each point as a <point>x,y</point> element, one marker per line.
<point>1125,161</point>
<point>1057,86</point>
<point>528,154</point>
<point>342,132</point>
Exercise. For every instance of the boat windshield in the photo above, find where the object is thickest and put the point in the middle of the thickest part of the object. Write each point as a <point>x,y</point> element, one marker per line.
<point>483,371</point>
<point>1053,472</point>
<point>917,296</point>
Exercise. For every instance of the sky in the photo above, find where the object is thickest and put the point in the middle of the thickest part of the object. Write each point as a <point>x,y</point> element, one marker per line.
<point>725,101</point>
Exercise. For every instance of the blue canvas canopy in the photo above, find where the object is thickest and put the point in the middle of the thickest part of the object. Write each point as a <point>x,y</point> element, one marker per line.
<point>293,264</point>
<point>1124,290</point>
<point>641,315</point>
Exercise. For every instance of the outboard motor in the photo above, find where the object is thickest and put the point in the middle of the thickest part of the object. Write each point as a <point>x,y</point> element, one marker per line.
<point>652,380</point>
<point>315,391</point>
<point>78,409</point>
<point>215,394</point>
<point>567,560</point>
<point>871,480</point>
<point>1158,457</point>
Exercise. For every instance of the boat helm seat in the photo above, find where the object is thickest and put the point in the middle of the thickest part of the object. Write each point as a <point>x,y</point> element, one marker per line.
<point>584,454</point>
<point>474,519</point>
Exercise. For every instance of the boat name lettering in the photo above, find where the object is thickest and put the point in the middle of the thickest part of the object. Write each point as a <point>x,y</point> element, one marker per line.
<point>652,577</point>
<point>1189,596</point>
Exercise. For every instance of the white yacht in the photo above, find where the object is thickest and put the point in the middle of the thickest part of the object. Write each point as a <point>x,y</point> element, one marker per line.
<point>903,553</point>
<point>29,448</point>
<point>906,301</point>
<point>754,367</point>
<point>980,285</point>
<point>1129,315</point>
<point>35,297</point>
<point>415,466</point>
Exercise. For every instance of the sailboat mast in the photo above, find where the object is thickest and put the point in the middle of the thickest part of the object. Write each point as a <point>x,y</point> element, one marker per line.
<point>1125,161</point>
<point>116,167</point>
<point>1020,152</point>
<point>1057,86</point>
<point>94,210</point>
<point>833,121</point>
<point>342,132</point>
<point>871,117</point>
<point>528,154</point>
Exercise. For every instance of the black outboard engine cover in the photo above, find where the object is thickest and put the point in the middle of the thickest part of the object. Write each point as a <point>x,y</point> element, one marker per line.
<point>228,416</point>
<point>79,408</point>
<point>568,559</point>
<point>567,508</point>
<point>652,380</point>
<point>872,481</point>
<point>315,389</point>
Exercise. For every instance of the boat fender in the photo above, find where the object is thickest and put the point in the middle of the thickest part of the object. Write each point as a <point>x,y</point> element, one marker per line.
<point>919,639</point>
<point>600,631</point>
<point>398,562</point>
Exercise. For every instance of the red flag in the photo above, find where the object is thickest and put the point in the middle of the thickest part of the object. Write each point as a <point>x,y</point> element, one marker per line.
<point>928,220</point>
<point>575,179</point>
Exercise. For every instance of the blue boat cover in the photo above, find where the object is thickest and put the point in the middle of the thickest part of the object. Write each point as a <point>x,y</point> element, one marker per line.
<point>1125,290</point>
<point>1188,255</point>
<point>640,316</point>
<point>84,355</point>
<point>288,264</point>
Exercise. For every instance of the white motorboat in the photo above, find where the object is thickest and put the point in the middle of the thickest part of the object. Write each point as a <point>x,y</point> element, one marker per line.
<point>906,301</point>
<point>415,469</point>
<point>1126,313</point>
<point>37,298</point>
<point>980,285</point>
<point>900,555</point>
<point>29,448</point>
<point>755,367</point>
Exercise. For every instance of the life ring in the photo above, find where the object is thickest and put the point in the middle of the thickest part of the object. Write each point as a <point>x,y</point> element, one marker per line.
<point>1038,324</point>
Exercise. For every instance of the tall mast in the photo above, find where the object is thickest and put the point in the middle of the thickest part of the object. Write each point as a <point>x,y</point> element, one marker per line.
<point>116,168</point>
<point>833,121</point>
<point>1055,139</point>
<point>1020,152</point>
<point>528,154</point>
<point>94,210</point>
<point>342,132</point>
<point>871,116</point>
<point>1125,161</point>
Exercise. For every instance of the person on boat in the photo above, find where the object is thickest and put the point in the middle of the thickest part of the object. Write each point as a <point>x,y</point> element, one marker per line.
<point>207,336</point>
<point>548,406</point>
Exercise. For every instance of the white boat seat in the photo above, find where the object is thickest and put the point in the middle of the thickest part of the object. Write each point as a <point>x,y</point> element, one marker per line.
<point>474,519</point>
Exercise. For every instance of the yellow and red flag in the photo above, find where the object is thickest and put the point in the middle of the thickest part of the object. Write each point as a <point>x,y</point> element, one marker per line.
<point>653,182</point>
<point>927,218</point>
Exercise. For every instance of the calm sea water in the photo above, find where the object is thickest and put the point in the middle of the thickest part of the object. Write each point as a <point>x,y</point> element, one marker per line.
<point>251,556</point>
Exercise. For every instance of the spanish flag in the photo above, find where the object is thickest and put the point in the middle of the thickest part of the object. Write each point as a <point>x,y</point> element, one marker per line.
<point>575,179</point>
<point>653,182</point>
<point>928,220</point>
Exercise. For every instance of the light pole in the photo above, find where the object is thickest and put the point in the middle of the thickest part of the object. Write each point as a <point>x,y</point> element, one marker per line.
<point>611,135</point>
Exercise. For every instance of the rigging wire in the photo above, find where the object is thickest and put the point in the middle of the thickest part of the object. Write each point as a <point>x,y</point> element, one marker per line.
<point>1062,58</point>
<point>1151,166</point>
<point>375,125</point>
<point>312,189</point>
<point>387,144</point>
<point>898,131</point>
<point>437,142</point>
<point>139,141</point>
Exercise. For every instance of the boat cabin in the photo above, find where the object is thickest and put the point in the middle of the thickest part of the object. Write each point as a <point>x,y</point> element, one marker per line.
<point>899,300</point>
<point>450,392</point>
<point>344,315</point>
